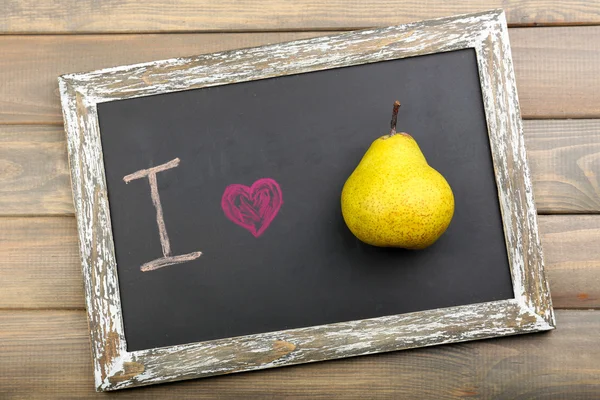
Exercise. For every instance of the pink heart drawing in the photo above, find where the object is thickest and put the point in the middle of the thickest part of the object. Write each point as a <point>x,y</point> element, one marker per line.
<point>252,208</point>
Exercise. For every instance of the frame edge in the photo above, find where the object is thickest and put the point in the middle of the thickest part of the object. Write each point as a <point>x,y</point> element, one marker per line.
<point>512,173</point>
<point>105,331</point>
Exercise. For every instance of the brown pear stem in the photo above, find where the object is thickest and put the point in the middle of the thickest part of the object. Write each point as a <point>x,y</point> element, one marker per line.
<point>394,117</point>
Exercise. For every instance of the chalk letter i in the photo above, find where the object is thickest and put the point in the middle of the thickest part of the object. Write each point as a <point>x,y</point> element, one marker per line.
<point>167,258</point>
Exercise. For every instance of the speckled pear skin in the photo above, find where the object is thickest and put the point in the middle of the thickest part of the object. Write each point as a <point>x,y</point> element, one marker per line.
<point>394,198</point>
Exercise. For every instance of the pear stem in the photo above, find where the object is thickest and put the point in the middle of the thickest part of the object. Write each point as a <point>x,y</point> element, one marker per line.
<point>394,118</point>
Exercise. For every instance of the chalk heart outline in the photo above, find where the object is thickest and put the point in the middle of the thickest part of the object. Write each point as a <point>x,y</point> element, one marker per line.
<point>253,208</point>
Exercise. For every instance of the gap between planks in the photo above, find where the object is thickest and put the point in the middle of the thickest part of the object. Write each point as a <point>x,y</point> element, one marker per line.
<point>317,30</point>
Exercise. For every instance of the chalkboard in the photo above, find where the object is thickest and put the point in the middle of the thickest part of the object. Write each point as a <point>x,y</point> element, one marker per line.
<point>297,138</point>
<point>207,195</point>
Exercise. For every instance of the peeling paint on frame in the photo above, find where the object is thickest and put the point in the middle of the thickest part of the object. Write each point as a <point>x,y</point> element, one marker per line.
<point>530,310</point>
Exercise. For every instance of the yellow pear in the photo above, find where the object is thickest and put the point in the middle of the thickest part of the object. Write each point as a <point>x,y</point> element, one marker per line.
<point>394,198</point>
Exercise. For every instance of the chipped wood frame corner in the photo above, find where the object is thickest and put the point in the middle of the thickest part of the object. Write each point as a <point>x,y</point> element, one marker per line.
<point>529,311</point>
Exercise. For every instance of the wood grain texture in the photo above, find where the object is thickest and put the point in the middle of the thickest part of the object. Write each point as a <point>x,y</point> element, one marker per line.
<point>563,156</point>
<point>529,311</point>
<point>34,175</point>
<point>81,16</point>
<point>45,355</point>
<point>573,259</point>
<point>40,267</point>
<point>30,93</point>
<point>39,263</point>
<point>557,71</point>
<point>556,68</point>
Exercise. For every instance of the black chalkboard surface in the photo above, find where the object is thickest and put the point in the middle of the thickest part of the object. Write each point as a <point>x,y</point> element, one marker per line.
<point>302,135</point>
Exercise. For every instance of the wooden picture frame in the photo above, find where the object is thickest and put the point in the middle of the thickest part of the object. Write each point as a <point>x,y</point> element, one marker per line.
<point>530,310</point>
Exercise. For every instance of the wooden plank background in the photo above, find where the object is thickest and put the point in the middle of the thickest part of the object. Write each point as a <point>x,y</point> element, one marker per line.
<point>40,267</point>
<point>48,354</point>
<point>44,348</point>
<point>85,16</point>
<point>30,65</point>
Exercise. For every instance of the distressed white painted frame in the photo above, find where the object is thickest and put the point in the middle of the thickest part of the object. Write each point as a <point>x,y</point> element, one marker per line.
<point>530,310</point>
